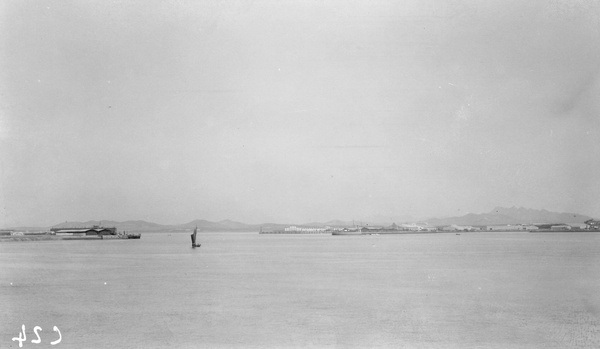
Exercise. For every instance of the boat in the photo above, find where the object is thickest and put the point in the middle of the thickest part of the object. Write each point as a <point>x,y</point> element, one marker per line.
<point>194,244</point>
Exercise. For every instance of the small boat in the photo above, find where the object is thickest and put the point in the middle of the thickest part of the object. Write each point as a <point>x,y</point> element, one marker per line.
<point>194,244</point>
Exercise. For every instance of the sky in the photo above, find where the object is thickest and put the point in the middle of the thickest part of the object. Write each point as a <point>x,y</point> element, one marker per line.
<point>296,111</point>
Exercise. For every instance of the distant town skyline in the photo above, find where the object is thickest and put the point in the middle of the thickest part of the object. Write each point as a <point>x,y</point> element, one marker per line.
<point>296,111</point>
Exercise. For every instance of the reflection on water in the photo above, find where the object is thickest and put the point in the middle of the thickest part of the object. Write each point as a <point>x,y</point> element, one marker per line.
<point>492,290</point>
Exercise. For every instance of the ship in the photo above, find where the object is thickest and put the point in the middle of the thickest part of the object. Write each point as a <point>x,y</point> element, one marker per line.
<point>194,244</point>
<point>347,231</point>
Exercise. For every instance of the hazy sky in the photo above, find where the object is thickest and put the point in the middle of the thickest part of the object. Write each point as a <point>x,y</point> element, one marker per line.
<point>296,111</point>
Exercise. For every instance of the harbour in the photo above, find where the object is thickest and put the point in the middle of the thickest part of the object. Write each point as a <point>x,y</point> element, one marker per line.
<point>363,174</point>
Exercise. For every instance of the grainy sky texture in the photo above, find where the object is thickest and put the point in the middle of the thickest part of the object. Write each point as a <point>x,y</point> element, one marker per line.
<point>296,111</point>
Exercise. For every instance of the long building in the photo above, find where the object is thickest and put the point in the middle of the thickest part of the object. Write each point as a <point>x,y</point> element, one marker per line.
<point>95,230</point>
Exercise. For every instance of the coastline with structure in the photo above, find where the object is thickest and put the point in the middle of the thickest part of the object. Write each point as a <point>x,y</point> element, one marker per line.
<point>91,233</point>
<point>424,228</point>
<point>512,220</point>
<point>293,229</point>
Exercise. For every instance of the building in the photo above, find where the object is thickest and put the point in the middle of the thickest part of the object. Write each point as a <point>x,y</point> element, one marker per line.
<point>297,229</point>
<point>95,230</point>
<point>455,227</point>
<point>578,226</point>
<point>592,224</point>
<point>508,227</point>
<point>411,227</point>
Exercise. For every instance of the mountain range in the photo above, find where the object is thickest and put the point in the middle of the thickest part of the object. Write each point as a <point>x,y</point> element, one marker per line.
<point>499,215</point>
<point>513,215</point>
<point>201,224</point>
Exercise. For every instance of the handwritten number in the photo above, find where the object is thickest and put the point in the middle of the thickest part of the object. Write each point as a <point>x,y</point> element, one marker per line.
<point>35,330</point>
<point>22,337</point>
<point>59,336</point>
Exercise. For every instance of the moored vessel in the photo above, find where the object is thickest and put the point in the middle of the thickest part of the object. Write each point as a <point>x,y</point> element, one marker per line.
<point>347,232</point>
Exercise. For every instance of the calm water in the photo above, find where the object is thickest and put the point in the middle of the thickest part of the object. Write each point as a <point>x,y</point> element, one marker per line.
<point>478,290</point>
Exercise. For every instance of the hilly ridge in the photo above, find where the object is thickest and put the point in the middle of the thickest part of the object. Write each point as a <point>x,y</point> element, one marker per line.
<point>512,215</point>
<point>497,216</point>
<point>144,226</point>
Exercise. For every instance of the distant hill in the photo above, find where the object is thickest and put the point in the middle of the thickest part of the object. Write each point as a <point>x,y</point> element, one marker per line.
<point>387,220</point>
<point>121,226</point>
<point>143,226</point>
<point>541,216</point>
<point>224,225</point>
<point>338,223</point>
<point>513,215</point>
<point>203,225</point>
<point>333,223</point>
<point>499,215</point>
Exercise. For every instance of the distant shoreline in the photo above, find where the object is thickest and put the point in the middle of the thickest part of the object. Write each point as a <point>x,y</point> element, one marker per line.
<point>564,231</point>
<point>407,232</point>
<point>31,238</point>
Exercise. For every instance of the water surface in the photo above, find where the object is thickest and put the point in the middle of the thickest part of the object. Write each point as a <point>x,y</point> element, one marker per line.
<point>474,290</point>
